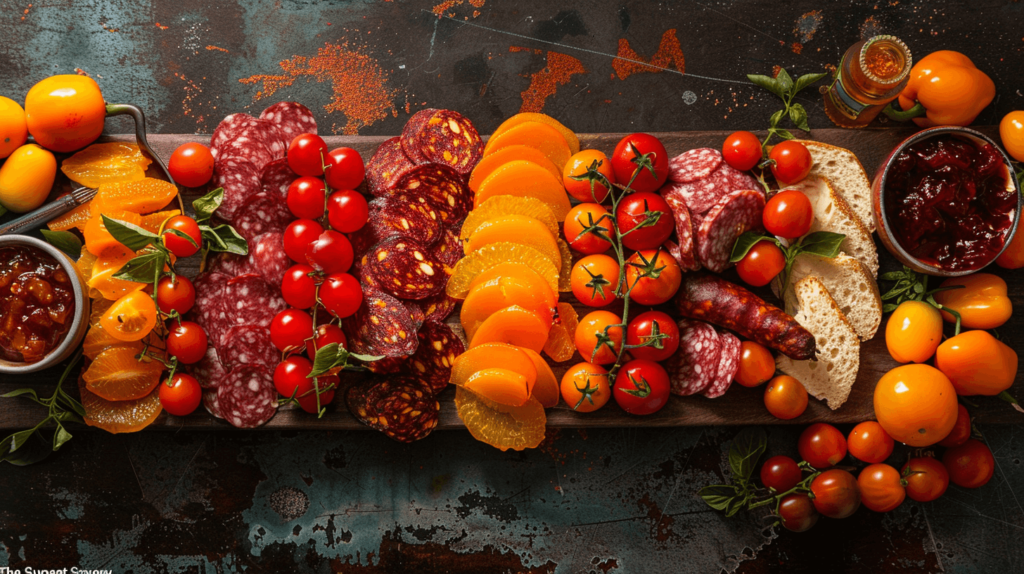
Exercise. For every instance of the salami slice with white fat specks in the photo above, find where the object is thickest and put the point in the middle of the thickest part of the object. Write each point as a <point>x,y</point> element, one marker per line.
<point>276,177</point>
<point>209,371</point>
<point>398,214</point>
<point>248,345</point>
<point>247,397</point>
<point>210,402</point>
<point>388,165</point>
<point>258,141</point>
<point>439,185</point>
<point>263,213</point>
<point>702,194</point>
<point>733,215</point>
<point>695,364</point>
<point>693,165</point>
<point>291,118</point>
<point>210,308</point>
<point>250,300</point>
<point>728,365</point>
<point>230,264</point>
<point>241,182</point>
<point>403,268</point>
<point>268,258</point>
<point>687,254</point>
<point>228,129</point>
<point>444,137</point>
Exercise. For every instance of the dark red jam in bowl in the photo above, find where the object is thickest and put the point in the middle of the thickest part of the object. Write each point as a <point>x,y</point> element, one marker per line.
<point>949,202</point>
<point>37,303</point>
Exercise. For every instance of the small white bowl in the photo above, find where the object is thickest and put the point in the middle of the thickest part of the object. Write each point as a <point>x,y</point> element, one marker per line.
<point>79,325</point>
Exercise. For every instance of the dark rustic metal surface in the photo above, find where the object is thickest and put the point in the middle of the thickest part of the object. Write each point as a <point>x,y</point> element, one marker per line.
<point>598,500</point>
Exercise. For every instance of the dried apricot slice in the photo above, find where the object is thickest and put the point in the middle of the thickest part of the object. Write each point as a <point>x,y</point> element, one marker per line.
<point>503,386</point>
<point>97,238</point>
<point>107,265</point>
<point>506,154</point>
<point>74,219</point>
<point>516,229</point>
<point>561,343</point>
<point>490,256</point>
<point>523,117</point>
<point>509,205</point>
<point>513,325</point>
<point>501,426</point>
<point>103,163</point>
<point>97,340</point>
<point>141,196</point>
<point>119,416</point>
<point>546,388</point>
<point>116,375</point>
<point>534,134</point>
<point>485,299</point>
<point>525,179</point>
<point>153,221</point>
<point>492,356</point>
<point>565,271</point>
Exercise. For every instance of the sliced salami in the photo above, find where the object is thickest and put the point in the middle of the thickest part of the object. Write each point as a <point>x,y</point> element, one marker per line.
<point>388,365</point>
<point>276,177</point>
<point>258,141</point>
<point>693,165</point>
<point>247,397</point>
<point>407,216</point>
<point>439,346</point>
<point>211,310</point>
<point>687,254</point>
<point>248,345</point>
<point>372,233</point>
<point>229,264</point>
<point>728,365</point>
<point>438,307</point>
<point>268,258</point>
<point>262,214</point>
<point>403,268</point>
<point>416,313</point>
<point>695,364</point>
<point>445,137</point>
<point>228,129</point>
<point>291,118</point>
<point>209,371</point>
<point>439,185</point>
<point>241,182</point>
<point>449,248</point>
<point>733,215</point>
<point>388,165</point>
<point>382,326</point>
<point>250,300</point>
<point>210,402</point>
<point>403,408</point>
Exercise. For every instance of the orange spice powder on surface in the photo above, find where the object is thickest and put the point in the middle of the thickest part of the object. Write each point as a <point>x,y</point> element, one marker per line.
<point>543,84</point>
<point>628,62</point>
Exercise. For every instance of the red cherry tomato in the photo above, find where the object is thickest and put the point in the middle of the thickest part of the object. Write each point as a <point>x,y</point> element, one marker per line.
<point>626,151</point>
<point>788,214</point>
<point>297,237</point>
<point>180,395</point>
<point>292,381</point>
<point>822,445</point>
<point>347,211</point>
<point>785,397</point>
<point>175,294</point>
<point>652,325</point>
<point>325,335</point>
<point>290,329</point>
<point>761,264</point>
<point>581,225</point>
<point>178,245</point>
<point>298,288</point>
<point>341,295</point>
<point>757,364</point>
<point>792,162</point>
<point>344,169</point>
<point>638,209</point>
<point>970,465</point>
<point>869,442</point>
<point>961,429</point>
<point>307,155</point>
<point>330,253</point>
<point>191,165</point>
<point>742,150</point>
<point>880,487</point>
<point>798,512</point>
<point>656,285</point>
<point>926,479</point>
<point>186,341</point>
<point>781,473</point>
<point>641,387</point>
<point>836,494</point>
<point>306,197</point>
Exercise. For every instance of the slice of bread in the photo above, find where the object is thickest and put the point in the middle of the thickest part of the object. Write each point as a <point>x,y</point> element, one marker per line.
<point>849,283</point>
<point>832,375</point>
<point>847,175</point>
<point>832,213</point>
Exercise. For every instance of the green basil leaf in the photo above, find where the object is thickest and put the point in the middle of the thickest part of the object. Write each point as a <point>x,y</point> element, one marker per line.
<point>798,115</point>
<point>736,504</point>
<point>328,357</point>
<point>144,268</point>
<point>60,437</point>
<point>131,236</point>
<point>366,358</point>
<point>25,448</point>
<point>206,205</point>
<point>889,307</point>
<point>776,117</point>
<point>785,81</point>
<point>768,83</point>
<point>718,496</point>
<point>823,243</point>
<point>744,452</point>
<point>806,80</point>
<point>21,392</point>
<point>784,134</point>
<point>67,242</point>
<point>225,239</point>
<point>744,243</point>
<point>183,235</point>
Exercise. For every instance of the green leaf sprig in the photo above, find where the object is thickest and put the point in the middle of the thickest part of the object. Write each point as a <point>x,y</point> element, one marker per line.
<point>909,285</point>
<point>67,242</point>
<point>822,243</point>
<point>783,86</point>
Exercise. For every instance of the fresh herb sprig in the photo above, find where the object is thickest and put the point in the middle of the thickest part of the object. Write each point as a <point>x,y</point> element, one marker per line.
<point>783,86</point>
<point>822,243</point>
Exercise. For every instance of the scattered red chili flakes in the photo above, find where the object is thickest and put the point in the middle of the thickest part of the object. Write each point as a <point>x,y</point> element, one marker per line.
<point>558,70</point>
<point>629,62</point>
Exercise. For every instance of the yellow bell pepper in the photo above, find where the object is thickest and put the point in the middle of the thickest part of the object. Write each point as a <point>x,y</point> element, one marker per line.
<point>981,301</point>
<point>945,89</point>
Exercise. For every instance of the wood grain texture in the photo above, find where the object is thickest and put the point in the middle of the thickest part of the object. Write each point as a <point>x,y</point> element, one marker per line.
<point>741,406</point>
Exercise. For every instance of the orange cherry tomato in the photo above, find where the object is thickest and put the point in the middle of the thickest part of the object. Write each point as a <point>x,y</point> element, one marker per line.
<point>578,165</point>
<point>756,364</point>
<point>585,387</point>
<point>915,404</point>
<point>1013,256</point>
<point>869,442</point>
<point>822,445</point>
<point>131,317</point>
<point>582,224</point>
<point>13,129</point>
<point>594,279</point>
<point>654,276</point>
<point>913,332</point>
<point>785,397</point>
<point>65,112</point>
<point>26,178</point>
<point>977,363</point>
<point>970,465</point>
<point>1011,131</point>
<point>599,337</point>
<point>981,302</point>
<point>961,430</point>
<point>881,487</point>
<point>926,478</point>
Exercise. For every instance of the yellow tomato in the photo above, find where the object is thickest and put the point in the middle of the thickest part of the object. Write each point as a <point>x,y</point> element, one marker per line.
<point>916,404</point>
<point>1011,131</point>
<point>13,130</point>
<point>913,332</point>
<point>66,112</point>
<point>26,178</point>
<point>131,317</point>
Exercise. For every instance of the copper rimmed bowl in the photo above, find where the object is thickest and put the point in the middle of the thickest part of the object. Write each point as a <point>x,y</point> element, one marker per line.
<point>883,221</point>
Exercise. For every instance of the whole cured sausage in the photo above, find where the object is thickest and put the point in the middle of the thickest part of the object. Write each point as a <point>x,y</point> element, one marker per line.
<point>717,301</point>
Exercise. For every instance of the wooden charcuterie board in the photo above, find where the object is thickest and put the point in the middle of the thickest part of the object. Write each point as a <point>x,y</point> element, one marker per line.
<point>740,406</point>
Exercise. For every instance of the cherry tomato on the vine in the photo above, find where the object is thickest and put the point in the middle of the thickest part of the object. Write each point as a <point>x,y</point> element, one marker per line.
<point>757,364</point>
<point>785,397</point>
<point>175,293</point>
<point>970,465</point>
<point>926,478</point>
<point>178,245</point>
<point>297,237</point>
<point>792,161</point>
<point>836,494</point>
<point>298,288</point>
<point>191,165</point>
<point>591,334</point>
<point>290,329</point>
<point>307,155</point>
<point>186,341</point>
<point>341,294</point>
<point>345,168</point>
<point>180,395</point>
<point>742,150</point>
<point>578,165</point>
<point>330,253</point>
<point>641,387</point>
<point>798,512</point>
<point>869,442</point>
<point>306,197</point>
<point>781,473</point>
<point>291,381</point>
<point>961,430</point>
<point>881,487</point>
<point>585,387</point>
<point>822,445</point>
<point>634,215</point>
<point>627,151</point>
<point>582,226</point>
<point>325,335</point>
<point>654,276</point>
<point>593,280</point>
<point>761,264</point>
<point>648,326</point>
<point>788,214</point>
<point>347,210</point>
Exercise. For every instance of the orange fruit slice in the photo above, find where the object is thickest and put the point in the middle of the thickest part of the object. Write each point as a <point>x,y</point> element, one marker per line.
<point>74,219</point>
<point>561,343</point>
<point>534,134</point>
<point>506,154</point>
<point>518,270</point>
<point>107,265</point>
<point>501,426</point>
<point>565,271</point>
<point>490,256</point>
<point>84,265</point>
<point>96,341</point>
<point>525,179</point>
<point>509,205</point>
<point>546,389</point>
<point>116,375</point>
<point>502,386</point>
<point>516,229</point>
<point>120,416</point>
<point>97,238</point>
<point>141,196</point>
<point>570,137</point>
<point>485,299</point>
<point>492,356</point>
<point>131,317</point>
<point>513,325</point>
<point>153,221</point>
<point>103,163</point>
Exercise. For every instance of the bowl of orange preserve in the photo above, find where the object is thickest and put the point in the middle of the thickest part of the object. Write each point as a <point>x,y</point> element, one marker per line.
<point>43,305</point>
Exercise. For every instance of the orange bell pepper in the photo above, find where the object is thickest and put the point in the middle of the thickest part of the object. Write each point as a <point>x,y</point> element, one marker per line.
<point>977,363</point>
<point>945,89</point>
<point>981,302</point>
<point>1013,256</point>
